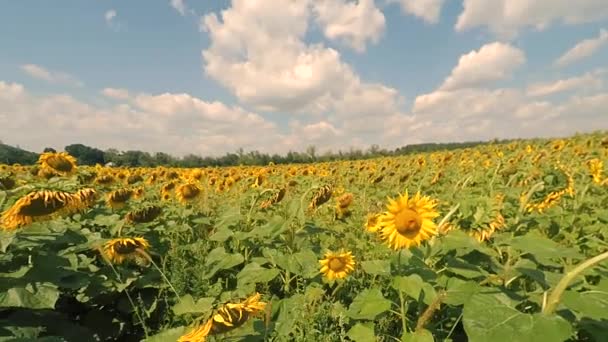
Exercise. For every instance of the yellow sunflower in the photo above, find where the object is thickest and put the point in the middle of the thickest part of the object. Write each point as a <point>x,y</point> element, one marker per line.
<point>39,206</point>
<point>229,317</point>
<point>61,163</point>
<point>408,221</point>
<point>120,250</point>
<point>187,192</point>
<point>371,223</point>
<point>337,265</point>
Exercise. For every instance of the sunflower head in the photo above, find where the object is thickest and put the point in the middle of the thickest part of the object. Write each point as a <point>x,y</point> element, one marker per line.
<point>118,198</point>
<point>371,222</point>
<point>61,163</point>
<point>119,250</point>
<point>187,192</point>
<point>38,206</point>
<point>408,221</point>
<point>144,215</point>
<point>337,265</point>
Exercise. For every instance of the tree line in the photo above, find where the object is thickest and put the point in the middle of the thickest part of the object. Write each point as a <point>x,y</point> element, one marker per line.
<point>87,155</point>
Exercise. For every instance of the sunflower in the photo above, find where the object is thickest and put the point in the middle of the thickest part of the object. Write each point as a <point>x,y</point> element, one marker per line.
<point>39,206</point>
<point>105,179</point>
<point>371,222</point>
<point>229,317</point>
<point>61,163</point>
<point>119,250</point>
<point>342,204</point>
<point>321,196</point>
<point>86,196</point>
<point>187,192</point>
<point>118,198</point>
<point>408,221</point>
<point>144,215</point>
<point>337,265</point>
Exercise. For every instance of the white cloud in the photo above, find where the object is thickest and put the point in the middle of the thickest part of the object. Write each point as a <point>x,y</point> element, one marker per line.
<point>583,49</point>
<point>179,6</point>
<point>353,23</point>
<point>57,77</point>
<point>259,54</point>
<point>428,10</point>
<point>116,93</point>
<point>175,123</point>
<point>110,18</point>
<point>507,17</point>
<point>492,62</point>
<point>586,81</point>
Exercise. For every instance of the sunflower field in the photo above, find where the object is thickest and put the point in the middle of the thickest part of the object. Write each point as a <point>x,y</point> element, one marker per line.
<point>501,242</point>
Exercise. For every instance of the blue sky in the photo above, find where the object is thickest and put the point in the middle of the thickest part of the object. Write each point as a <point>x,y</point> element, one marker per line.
<point>208,77</point>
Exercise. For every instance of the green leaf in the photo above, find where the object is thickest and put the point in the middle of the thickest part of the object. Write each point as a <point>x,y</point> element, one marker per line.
<point>221,234</point>
<point>543,249</point>
<point>494,318</point>
<point>368,304</point>
<point>254,273</point>
<point>167,335</point>
<point>218,260</point>
<point>410,285</point>
<point>272,229</point>
<point>422,335</point>
<point>6,238</point>
<point>229,219</point>
<point>41,296</point>
<point>362,332</point>
<point>377,267</point>
<point>304,264</point>
<point>463,244</point>
<point>465,269</point>
<point>187,305</point>
<point>592,304</point>
<point>459,291</point>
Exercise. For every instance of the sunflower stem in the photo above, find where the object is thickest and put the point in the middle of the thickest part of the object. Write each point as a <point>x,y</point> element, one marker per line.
<point>402,310</point>
<point>179,298</point>
<point>556,294</point>
<point>141,320</point>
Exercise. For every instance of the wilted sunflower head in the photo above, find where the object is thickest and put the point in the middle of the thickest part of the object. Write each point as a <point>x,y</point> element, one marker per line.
<point>118,198</point>
<point>104,179</point>
<point>86,196</point>
<point>408,221</point>
<point>119,250</point>
<point>144,215</point>
<point>233,315</point>
<point>37,206</point>
<point>337,265</point>
<point>61,163</point>
<point>187,192</point>
<point>228,317</point>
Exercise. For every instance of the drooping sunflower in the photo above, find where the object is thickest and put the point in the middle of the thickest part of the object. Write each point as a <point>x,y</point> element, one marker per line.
<point>337,265</point>
<point>342,204</point>
<point>38,206</point>
<point>118,198</point>
<point>61,163</point>
<point>144,215</point>
<point>119,250</point>
<point>320,197</point>
<point>408,221</point>
<point>187,192</point>
<point>86,196</point>
<point>229,317</point>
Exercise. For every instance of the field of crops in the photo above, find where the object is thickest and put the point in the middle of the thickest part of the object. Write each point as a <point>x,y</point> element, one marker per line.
<point>503,242</point>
